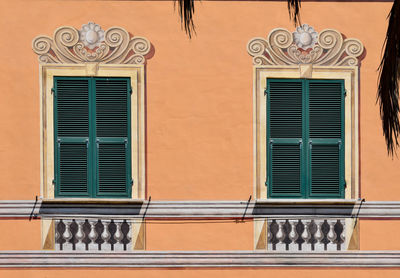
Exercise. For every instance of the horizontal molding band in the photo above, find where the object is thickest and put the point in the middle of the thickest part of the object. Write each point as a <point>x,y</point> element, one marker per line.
<point>198,259</point>
<point>201,209</point>
<point>374,1</point>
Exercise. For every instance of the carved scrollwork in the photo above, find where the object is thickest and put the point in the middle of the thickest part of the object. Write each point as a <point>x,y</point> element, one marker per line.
<point>280,48</point>
<point>71,46</point>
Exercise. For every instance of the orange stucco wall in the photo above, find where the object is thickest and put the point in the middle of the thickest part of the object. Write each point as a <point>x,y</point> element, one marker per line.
<point>20,234</point>
<point>375,235</point>
<point>199,115</point>
<point>199,91</point>
<point>209,235</point>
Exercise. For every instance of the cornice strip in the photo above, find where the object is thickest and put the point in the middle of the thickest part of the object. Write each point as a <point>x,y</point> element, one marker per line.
<point>201,209</point>
<point>196,259</point>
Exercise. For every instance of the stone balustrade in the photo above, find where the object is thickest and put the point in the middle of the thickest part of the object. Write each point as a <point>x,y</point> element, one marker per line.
<point>291,235</point>
<point>306,235</point>
<point>93,234</point>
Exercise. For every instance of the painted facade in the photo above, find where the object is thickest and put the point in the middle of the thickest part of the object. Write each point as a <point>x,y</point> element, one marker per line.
<point>197,200</point>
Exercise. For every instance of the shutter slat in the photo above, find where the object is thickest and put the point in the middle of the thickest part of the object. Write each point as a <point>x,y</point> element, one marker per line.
<point>285,170</point>
<point>285,123</point>
<point>72,107</point>
<point>285,109</point>
<point>326,103</point>
<point>72,122</point>
<point>112,120</point>
<point>325,106</point>
<point>111,108</point>
<point>112,168</point>
<point>325,170</point>
<point>73,169</point>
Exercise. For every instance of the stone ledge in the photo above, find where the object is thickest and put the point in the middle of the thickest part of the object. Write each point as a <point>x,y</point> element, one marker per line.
<point>201,209</point>
<point>197,259</point>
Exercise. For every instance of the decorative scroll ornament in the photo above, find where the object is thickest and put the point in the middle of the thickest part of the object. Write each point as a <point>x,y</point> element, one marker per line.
<point>91,44</point>
<point>302,47</point>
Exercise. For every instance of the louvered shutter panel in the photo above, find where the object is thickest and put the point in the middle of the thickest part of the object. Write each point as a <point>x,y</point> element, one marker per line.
<point>71,110</point>
<point>326,138</point>
<point>284,138</point>
<point>113,137</point>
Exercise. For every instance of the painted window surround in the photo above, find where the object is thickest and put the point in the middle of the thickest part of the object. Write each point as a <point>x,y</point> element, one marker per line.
<point>136,74</point>
<point>305,54</point>
<point>116,54</point>
<point>91,52</point>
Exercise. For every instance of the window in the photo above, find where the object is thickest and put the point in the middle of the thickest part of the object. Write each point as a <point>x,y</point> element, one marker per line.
<point>311,155</point>
<point>92,136</point>
<point>92,74</point>
<point>92,142</point>
<point>305,138</point>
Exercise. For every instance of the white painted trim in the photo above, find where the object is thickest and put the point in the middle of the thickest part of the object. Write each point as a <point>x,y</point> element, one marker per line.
<point>197,259</point>
<point>202,209</point>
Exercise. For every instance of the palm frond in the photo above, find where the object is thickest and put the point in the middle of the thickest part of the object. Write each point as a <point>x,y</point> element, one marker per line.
<point>294,11</point>
<point>388,88</point>
<point>186,11</point>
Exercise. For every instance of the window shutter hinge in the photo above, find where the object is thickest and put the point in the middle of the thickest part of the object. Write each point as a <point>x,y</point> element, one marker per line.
<point>131,182</point>
<point>53,91</point>
<point>266,183</point>
<point>266,91</point>
<point>130,90</point>
<point>345,92</point>
<point>53,182</point>
<point>345,184</point>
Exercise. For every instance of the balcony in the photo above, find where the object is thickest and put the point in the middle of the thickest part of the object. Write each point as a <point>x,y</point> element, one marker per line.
<point>93,235</point>
<point>306,235</point>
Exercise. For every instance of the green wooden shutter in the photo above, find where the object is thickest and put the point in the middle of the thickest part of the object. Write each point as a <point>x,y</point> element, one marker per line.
<point>113,137</point>
<point>71,134</point>
<point>284,138</point>
<point>285,170</point>
<point>326,138</point>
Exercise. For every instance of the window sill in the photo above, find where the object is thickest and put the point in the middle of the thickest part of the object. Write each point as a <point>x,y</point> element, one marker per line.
<point>308,201</point>
<point>93,201</point>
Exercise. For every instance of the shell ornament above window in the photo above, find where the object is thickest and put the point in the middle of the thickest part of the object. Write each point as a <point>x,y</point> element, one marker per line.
<point>91,44</point>
<point>91,35</point>
<point>305,37</point>
<point>305,46</point>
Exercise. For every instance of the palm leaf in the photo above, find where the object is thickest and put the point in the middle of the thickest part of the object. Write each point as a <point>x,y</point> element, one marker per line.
<point>388,89</point>
<point>294,10</point>
<point>186,11</point>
